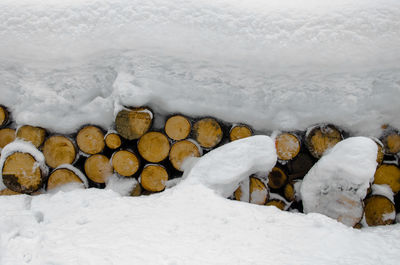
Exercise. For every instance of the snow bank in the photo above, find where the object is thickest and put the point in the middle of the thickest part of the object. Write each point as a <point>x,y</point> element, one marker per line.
<point>224,168</point>
<point>338,182</point>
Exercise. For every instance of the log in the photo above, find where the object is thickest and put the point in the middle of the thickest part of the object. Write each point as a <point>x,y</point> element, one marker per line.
<point>277,178</point>
<point>321,138</point>
<point>299,166</point>
<point>132,123</point>
<point>388,174</point>
<point>259,192</point>
<point>98,168</point>
<point>113,141</point>
<point>137,190</point>
<point>381,151</point>
<point>90,140</point>
<point>182,150</point>
<point>154,178</point>
<point>379,210</point>
<point>62,176</point>
<point>287,146</point>
<point>154,147</point>
<point>391,141</point>
<point>35,135</point>
<point>7,192</point>
<point>242,192</point>
<point>289,192</point>
<point>7,135</point>
<point>125,163</point>
<point>281,205</point>
<point>177,127</point>
<point>3,116</point>
<point>240,131</point>
<point>207,132</point>
<point>59,150</point>
<point>21,173</point>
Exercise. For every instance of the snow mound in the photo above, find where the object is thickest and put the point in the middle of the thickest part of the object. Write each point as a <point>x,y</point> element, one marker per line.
<point>338,182</point>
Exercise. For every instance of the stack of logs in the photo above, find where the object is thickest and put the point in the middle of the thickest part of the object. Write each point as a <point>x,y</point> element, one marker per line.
<point>153,156</point>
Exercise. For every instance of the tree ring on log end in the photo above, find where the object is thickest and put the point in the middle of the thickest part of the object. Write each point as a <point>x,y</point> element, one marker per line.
<point>207,132</point>
<point>321,138</point>
<point>153,178</point>
<point>98,168</point>
<point>182,150</point>
<point>62,176</point>
<point>113,141</point>
<point>59,150</point>
<point>239,132</point>
<point>379,210</point>
<point>388,174</point>
<point>177,127</point>
<point>287,146</point>
<point>90,139</point>
<point>125,163</point>
<point>154,147</point>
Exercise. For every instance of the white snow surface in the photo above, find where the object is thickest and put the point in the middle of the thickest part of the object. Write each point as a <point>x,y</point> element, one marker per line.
<point>278,64</point>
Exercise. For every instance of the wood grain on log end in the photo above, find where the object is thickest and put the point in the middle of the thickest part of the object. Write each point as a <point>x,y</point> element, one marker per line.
<point>392,142</point>
<point>321,138</point>
<point>98,168</point>
<point>58,150</point>
<point>153,178</point>
<point>287,146</point>
<point>207,132</point>
<point>35,135</point>
<point>388,174</point>
<point>125,163</point>
<point>182,150</point>
<point>90,139</point>
<point>7,135</point>
<point>177,127</point>
<point>239,132</point>
<point>379,211</point>
<point>60,177</point>
<point>154,147</point>
<point>113,141</point>
<point>132,124</point>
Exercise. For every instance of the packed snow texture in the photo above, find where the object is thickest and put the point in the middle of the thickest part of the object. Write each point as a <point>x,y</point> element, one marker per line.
<point>273,64</point>
<point>338,182</point>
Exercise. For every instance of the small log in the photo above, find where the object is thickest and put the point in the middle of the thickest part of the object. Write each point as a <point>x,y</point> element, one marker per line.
<point>240,131</point>
<point>388,174</point>
<point>113,141</point>
<point>35,135</point>
<point>321,138</point>
<point>154,147</point>
<point>125,163</point>
<point>277,178</point>
<point>391,141</point>
<point>299,166</point>
<point>177,127</point>
<point>207,132</point>
<point>98,168</point>
<point>379,210</point>
<point>3,116</point>
<point>182,150</point>
<point>287,146</point>
<point>21,173</point>
<point>153,178</point>
<point>7,192</point>
<point>289,192</point>
<point>62,176</point>
<point>90,140</point>
<point>7,135</point>
<point>59,150</point>
<point>259,192</point>
<point>131,124</point>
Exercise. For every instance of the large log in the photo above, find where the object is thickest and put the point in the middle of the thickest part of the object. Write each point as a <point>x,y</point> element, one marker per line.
<point>90,140</point>
<point>177,127</point>
<point>7,135</point>
<point>154,178</point>
<point>388,174</point>
<point>62,176</point>
<point>21,173</point>
<point>277,178</point>
<point>154,147</point>
<point>321,138</point>
<point>113,141</point>
<point>379,210</point>
<point>98,168</point>
<point>240,131</point>
<point>125,163</point>
<point>287,146</point>
<point>133,123</point>
<point>3,116</point>
<point>207,132</point>
<point>35,135</point>
<point>59,150</point>
<point>182,150</point>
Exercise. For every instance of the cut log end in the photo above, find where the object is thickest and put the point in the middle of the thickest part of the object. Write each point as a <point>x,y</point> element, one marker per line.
<point>322,138</point>
<point>90,139</point>
<point>132,124</point>
<point>177,127</point>
<point>281,205</point>
<point>98,168</point>
<point>287,146</point>
<point>392,143</point>
<point>35,135</point>
<point>58,150</point>
<point>137,190</point>
<point>207,132</point>
<point>125,163</point>
<point>239,132</point>
<point>277,178</point>
<point>182,150</point>
<point>7,135</point>
<point>258,191</point>
<point>390,175</point>
<point>379,210</point>
<point>153,178</point>
<point>154,147</point>
<point>3,116</point>
<point>113,141</point>
<point>21,173</point>
<point>289,192</point>
<point>60,177</point>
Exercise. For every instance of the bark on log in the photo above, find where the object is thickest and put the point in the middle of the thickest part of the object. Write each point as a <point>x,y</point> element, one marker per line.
<point>153,178</point>
<point>277,178</point>
<point>154,147</point>
<point>379,210</point>
<point>259,192</point>
<point>35,135</point>
<point>177,127</point>
<point>21,173</point>
<point>388,174</point>
<point>125,163</point>
<point>182,150</point>
<point>7,135</point>
<point>207,132</point>
<point>113,141</point>
<point>287,146</point>
<point>3,116</point>
<point>90,140</point>
<point>98,168</point>
<point>240,131</point>
<point>131,124</point>
<point>322,137</point>
<point>59,150</point>
<point>62,176</point>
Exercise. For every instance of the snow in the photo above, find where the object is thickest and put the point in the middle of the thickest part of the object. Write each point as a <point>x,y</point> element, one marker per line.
<point>338,182</point>
<point>383,190</point>
<point>121,185</point>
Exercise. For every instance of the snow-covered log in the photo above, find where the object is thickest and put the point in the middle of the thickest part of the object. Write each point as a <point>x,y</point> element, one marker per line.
<point>154,177</point>
<point>154,147</point>
<point>178,127</point>
<point>388,174</point>
<point>207,132</point>
<point>90,140</point>
<point>182,150</point>
<point>58,150</point>
<point>320,138</point>
<point>259,192</point>
<point>65,175</point>
<point>125,163</point>
<point>287,146</point>
<point>240,131</point>
<point>35,135</point>
<point>379,210</point>
<point>133,123</point>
